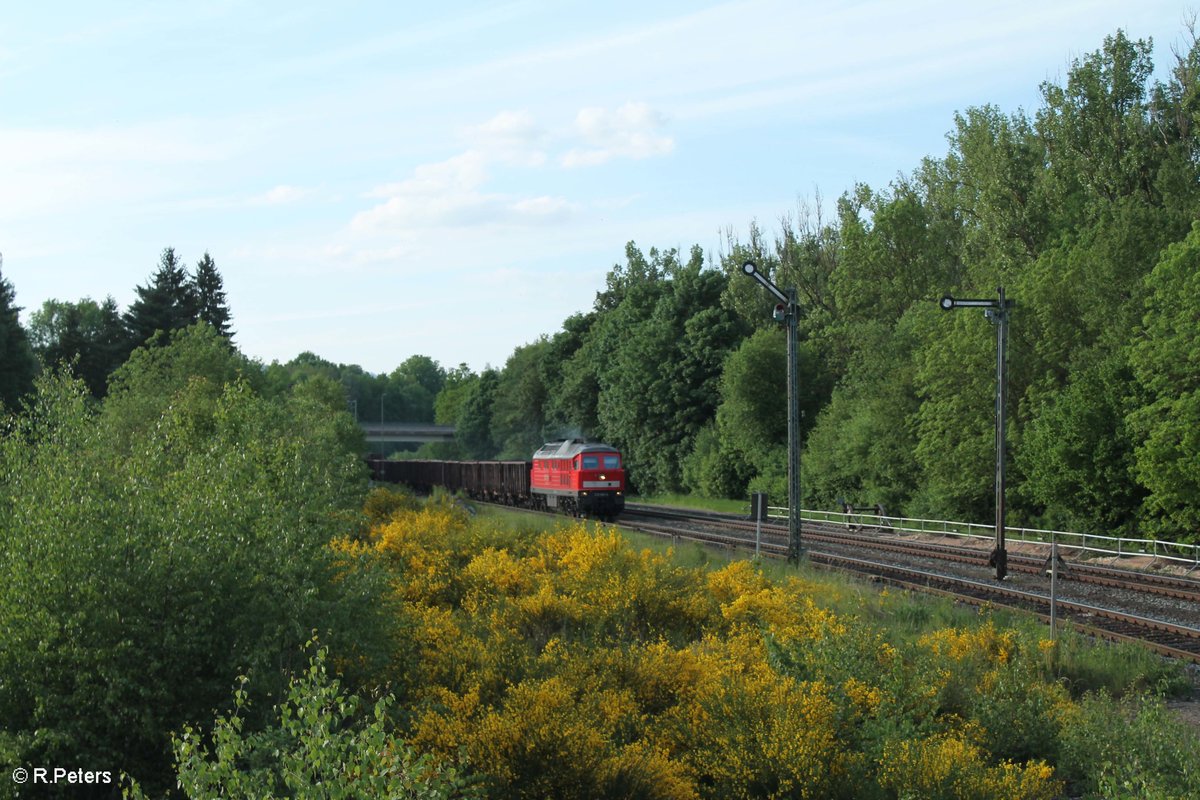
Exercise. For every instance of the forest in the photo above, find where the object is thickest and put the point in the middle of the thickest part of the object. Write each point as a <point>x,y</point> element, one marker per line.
<point>1084,210</point>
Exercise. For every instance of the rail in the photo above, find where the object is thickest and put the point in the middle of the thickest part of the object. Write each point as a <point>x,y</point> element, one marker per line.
<point>1078,543</point>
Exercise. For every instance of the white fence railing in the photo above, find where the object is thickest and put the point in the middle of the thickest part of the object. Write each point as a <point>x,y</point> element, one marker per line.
<point>1091,543</point>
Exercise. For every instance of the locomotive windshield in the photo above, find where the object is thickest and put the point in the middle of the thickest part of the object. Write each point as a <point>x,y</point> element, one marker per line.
<point>609,461</point>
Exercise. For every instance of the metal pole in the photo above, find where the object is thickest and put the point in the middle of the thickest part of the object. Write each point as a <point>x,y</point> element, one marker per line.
<point>382,450</point>
<point>795,549</point>
<point>788,311</point>
<point>999,554</point>
<point>758,537</point>
<point>1053,588</point>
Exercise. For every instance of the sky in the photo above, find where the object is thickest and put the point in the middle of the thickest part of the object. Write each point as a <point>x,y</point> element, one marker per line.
<point>376,180</point>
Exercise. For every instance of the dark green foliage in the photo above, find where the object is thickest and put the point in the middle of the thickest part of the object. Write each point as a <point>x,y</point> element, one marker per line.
<point>519,406</point>
<point>87,337</point>
<point>166,303</point>
<point>447,405</point>
<point>1070,212</point>
<point>657,356</point>
<point>421,371</point>
<point>163,543</point>
<point>209,288</point>
<point>1077,452</point>
<point>861,449</point>
<point>713,470</point>
<point>18,366</point>
<point>473,430</point>
<point>1165,357</point>
<point>321,743</point>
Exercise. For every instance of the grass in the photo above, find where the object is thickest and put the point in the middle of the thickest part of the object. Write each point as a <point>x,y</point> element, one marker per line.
<point>1084,665</point>
<point>691,501</point>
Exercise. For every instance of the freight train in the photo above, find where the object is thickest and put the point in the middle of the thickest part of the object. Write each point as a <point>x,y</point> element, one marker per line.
<point>569,475</point>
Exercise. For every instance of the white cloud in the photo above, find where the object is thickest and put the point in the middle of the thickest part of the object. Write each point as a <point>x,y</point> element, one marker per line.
<point>449,194</point>
<point>280,195</point>
<point>460,192</point>
<point>512,137</point>
<point>631,131</point>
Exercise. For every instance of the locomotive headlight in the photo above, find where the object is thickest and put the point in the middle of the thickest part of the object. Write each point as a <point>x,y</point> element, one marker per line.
<point>603,477</point>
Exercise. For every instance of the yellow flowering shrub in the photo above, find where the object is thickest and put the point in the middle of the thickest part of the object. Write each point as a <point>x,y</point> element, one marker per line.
<point>644,770</point>
<point>448,720</point>
<point>548,740</point>
<point>585,585</point>
<point>949,767</point>
<point>495,572</point>
<point>754,733</point>
<point>571,664</point>
<point>414,546</point>
<point>734,580</point>
<point>982,643</point>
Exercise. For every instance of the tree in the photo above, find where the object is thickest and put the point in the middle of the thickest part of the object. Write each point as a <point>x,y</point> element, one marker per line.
<point>86,337</point>
<point>164,543</point>
<point>449,403</point>
<point>422,371</point>
<point>519,407</point>
<point>746,298</point>
<point>1077,450</point>
<point>411,390</point>
<point>473,430</point>
<point>143,388</point>
<point>861,446</point>
<point>166,303</point>
<point>1165,358</point>
<point>209,291</point>
<point>18,366</point>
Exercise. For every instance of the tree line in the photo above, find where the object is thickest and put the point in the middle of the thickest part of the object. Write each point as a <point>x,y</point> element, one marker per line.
<point>1083,209</point>
<point>94,338</point>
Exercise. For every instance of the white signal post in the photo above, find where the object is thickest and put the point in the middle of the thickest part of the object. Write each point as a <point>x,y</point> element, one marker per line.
<point>997,311</point>
<point>788,312</point>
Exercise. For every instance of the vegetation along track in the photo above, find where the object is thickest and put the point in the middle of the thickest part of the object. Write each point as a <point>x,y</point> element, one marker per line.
<point>1160,611</point>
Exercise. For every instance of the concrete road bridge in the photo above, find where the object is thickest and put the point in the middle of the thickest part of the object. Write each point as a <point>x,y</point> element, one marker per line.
<point>416,432</point>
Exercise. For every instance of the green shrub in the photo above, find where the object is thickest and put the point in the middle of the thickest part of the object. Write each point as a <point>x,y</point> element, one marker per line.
<point>151,559</point>
<point>320,745</point>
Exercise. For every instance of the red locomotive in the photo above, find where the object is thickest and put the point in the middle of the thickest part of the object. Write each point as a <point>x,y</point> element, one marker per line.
<point>579,478</point>
<point>569,475</point>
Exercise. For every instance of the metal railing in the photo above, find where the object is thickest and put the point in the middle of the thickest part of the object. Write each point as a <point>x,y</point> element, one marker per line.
<point>1084,544</point>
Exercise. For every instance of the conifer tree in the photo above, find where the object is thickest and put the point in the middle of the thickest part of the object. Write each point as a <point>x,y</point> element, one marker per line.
<point>17,362</point>
<point>168,302</point>
<point>210,296</point>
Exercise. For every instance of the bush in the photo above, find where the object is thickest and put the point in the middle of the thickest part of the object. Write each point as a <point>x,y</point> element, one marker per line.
<point>320,745</point>
<point>152,559</point>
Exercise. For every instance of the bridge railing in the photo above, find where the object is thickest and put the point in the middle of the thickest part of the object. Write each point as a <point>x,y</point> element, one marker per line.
<point>1085,544</point>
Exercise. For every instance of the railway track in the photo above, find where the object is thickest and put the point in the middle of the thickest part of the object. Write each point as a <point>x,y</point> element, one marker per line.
<point>1161,612</point>
<point>1165,585</point>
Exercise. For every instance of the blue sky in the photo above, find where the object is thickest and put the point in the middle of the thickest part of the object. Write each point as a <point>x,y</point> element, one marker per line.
<point>379,179</point>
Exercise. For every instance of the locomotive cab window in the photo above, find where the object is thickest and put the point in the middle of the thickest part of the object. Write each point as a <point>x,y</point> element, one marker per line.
<point>591,462</point>
<point>612,462</point>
